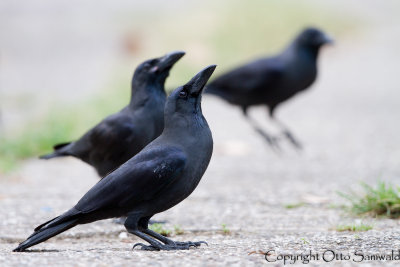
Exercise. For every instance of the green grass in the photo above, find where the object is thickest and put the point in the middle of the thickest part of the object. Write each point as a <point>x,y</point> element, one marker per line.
<point>226,33</point>
<point>225,229</point>
<point>162,230</point>
<point>361,227</point>
<point>159,228</point>
<point>305,241</point>
<point>294,205</point>
<point>382,200</point>
<point>178,230</point>
<point>336,206</point>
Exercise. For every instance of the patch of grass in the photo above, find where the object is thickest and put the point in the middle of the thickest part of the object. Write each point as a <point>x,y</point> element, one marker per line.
<point>294,205</point>
<point>382,200</point>
<point>361,227</point>
<point>158,228</point>
<point>357,237</point>
<point>336,206</point>
<point>225,229</point>
<point>178,230</point>
<point>304,241</point>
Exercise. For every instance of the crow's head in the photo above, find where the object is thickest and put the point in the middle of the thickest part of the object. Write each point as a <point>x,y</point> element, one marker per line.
<point>314,38</point>
<point>186,100</point>
<point>156,70</point>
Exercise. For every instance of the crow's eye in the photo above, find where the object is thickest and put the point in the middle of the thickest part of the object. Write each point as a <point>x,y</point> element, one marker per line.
<point>183,94</point>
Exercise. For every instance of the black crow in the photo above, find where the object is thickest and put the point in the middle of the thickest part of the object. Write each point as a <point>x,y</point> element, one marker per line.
<point>122,135</point>
<point>270,81</point>
<point>160,176</point>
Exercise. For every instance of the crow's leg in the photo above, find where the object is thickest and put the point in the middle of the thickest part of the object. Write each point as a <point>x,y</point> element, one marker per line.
<point>154,244</point>
<point>271,140</point>
<point>168,241</point>
<point>288,134</point>
<point>132,226</point>
<point>139,228</point>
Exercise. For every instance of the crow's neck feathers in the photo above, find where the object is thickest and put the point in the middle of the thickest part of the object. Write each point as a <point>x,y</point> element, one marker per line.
<point>184,121</point>
<point>143,93</point>
<point>299,49</point>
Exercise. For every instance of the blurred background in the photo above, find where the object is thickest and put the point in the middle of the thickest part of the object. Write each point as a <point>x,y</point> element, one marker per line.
<point>65,65</point>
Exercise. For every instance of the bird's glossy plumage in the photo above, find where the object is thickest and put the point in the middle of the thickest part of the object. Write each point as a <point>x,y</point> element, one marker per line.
<point>160,176</point>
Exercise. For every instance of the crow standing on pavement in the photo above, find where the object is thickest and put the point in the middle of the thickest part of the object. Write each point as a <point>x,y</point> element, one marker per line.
<point>122,135</point>
<point>271,81</point>
<point>160,176</point>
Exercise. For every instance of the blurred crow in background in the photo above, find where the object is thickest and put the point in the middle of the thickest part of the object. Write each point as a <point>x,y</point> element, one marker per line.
<point>160,176</point>
<point>270,81</point>
<point>122,135</point>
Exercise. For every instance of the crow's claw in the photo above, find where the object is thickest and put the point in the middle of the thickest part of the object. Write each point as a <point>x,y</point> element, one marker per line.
<point>292,140</point>
<point>191,244</point>
<point>176,246</point>
<point>271,140</point>
<point>145,247</point>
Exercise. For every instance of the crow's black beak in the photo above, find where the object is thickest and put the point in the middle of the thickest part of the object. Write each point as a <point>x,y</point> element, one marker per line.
<point>167,61</point>
<point>326,39</point>
<point>196,85</point>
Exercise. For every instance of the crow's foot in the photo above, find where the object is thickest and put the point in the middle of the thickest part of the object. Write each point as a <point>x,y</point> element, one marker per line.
<point>293,140</point>
<point>271,140</point>
<point>145,247</point>
<point>191,244</point>
<point>174,246</point>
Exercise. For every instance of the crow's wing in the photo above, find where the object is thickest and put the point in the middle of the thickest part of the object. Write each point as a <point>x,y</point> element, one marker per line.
<point>252,77</point>
<point>114,133</point>
<point>137,180</point>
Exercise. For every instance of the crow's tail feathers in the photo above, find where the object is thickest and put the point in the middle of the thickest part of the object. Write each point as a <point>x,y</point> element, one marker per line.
<point>48,230</point>
<point>59,151</point>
